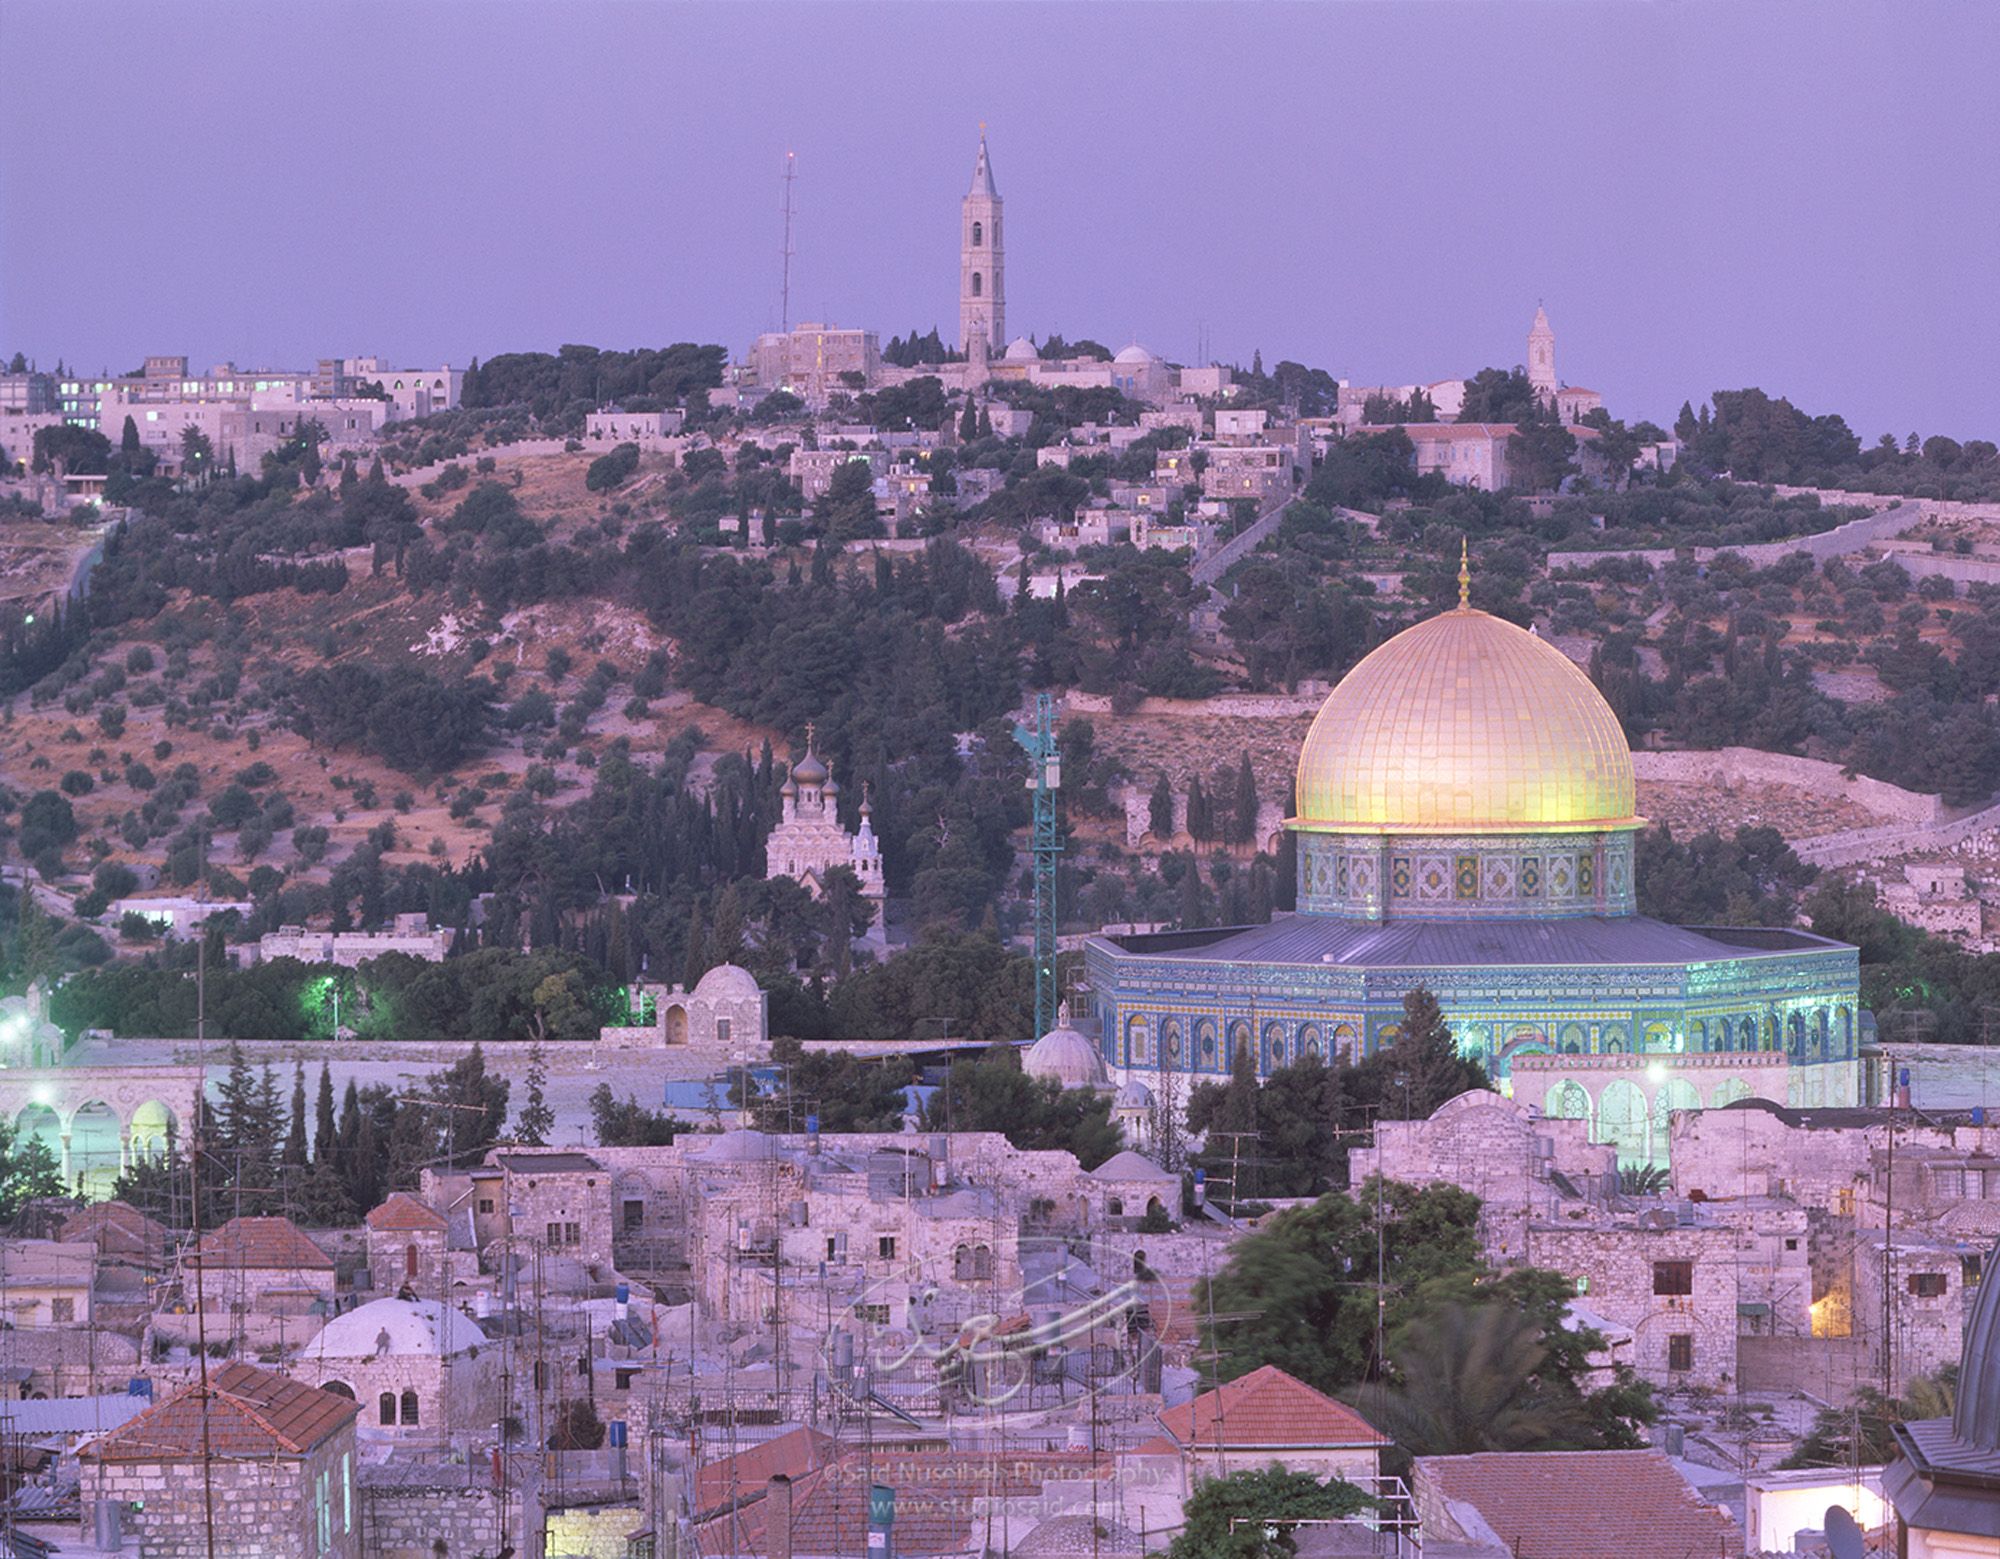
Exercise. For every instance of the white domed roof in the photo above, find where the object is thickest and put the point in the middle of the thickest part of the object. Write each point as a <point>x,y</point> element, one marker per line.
<point>727,982</point>
<point>743,1146</point>
<point>1134,355</point>
<point>420,1327</point>
<point>1135,1095</point>
<point>1067,1056</point>
<point>1131,1166</point>
<point>1020,350</point>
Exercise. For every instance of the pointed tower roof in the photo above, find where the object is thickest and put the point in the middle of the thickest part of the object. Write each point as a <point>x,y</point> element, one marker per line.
<point>982,171</point>
<point>1541,327</point>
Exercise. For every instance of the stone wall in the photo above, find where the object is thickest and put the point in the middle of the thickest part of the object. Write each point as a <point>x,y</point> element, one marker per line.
<point>1731,766</point>
<point>1850,537</point>
<point>404,1515</point>
<point>1229,706</point>
<point>1616,1271</point>
<point>266,1504</point>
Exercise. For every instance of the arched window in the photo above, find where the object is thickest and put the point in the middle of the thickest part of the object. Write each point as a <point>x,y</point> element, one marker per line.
<point>978,284</point>
<point>387,1407</point>
<point>409,1407</point>
<point>410,1262</point>
<point>978,234</point>
<point>1114,1207</point>
<point>339,1388</point>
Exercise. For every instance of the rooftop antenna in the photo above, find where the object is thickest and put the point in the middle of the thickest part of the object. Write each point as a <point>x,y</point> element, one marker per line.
<point>785,287</point>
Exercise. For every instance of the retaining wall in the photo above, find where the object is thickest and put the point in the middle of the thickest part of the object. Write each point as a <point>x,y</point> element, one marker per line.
<point>1747,766</point>
<point>1853,536</point>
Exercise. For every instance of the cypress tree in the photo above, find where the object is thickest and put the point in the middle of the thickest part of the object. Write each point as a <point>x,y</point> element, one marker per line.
<point>1200,825</point>
<point>1244,804</point>
<point>295,1137</point>
<point>325,1133</point>
<point>1160,810</point>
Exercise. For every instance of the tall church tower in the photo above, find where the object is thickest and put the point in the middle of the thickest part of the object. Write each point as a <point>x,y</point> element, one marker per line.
<point>982,288</point>
<point>1542,357</point>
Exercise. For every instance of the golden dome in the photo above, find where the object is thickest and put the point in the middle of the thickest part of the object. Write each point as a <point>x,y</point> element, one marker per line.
<point>1465,724</point>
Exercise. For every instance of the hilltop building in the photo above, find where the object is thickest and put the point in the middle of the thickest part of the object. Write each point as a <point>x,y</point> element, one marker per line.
<point>1465,823</point>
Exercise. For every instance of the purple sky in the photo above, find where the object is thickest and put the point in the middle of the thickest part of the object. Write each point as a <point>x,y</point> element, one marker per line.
<point>1801,197</point>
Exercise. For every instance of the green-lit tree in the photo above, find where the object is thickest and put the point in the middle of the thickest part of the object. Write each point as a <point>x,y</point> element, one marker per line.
<point>536,1119</point>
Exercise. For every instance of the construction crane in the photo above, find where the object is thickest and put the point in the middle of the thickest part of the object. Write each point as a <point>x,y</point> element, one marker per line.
<point>1045,780</point>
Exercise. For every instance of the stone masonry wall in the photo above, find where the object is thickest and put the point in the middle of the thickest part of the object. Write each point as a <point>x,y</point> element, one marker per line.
<point>1746,766</point>
<point>267,1504</point>
<point>1617,1266</point>
<point>408,1522</point>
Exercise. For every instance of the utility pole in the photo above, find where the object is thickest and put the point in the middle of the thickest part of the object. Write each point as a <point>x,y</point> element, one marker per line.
<point>1045,845</point>
<point>785,255</point>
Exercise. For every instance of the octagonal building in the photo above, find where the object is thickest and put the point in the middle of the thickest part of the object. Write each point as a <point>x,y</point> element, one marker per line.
<point>1466,822</point>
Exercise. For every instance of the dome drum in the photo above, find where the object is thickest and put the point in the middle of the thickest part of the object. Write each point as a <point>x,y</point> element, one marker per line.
<point>1533,876</point>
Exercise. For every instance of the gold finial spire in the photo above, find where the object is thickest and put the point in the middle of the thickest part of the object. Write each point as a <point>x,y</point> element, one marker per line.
<point>1464,574</point>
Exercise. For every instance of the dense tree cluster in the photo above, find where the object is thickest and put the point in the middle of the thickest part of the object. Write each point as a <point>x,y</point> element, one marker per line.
<point>560,388</point>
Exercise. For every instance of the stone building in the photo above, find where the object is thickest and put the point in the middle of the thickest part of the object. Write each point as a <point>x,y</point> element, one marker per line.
<point>522,1202</point>
<point>1268,1417</point>
<point>414,1366</point>
<point>1522,1166</point>
<point>124,1236</point>
<point>1681,1283</point>
<point>647,429</point>
<point>811,360</point>
<point>1941,1483</point>
<point>725,1016</point>
<point>280,1470</point>
<point>410,934</point>
<point>1935,898</point>
<point>408,1247</point>
<point>262,1274</point>
<point>47,1282</point>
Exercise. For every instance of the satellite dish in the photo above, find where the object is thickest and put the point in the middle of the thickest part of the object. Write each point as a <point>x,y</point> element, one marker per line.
<point>1843,1534</point>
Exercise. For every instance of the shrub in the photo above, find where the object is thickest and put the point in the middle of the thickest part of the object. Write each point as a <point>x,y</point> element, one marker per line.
<point>310,842</point>
<point>78,783</point>
<point>612,470</point>
<point>139,660</point>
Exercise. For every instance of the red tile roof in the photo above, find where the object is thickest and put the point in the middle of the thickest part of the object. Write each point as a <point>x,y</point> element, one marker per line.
<point>118,1229</point>
<point>1581,1504</point>
<point>747,1475</point>
<point>260,1242</point>
<point>402,1213</point>
<point>252,1413</point>
<point>1267,1409</point>
<point>936,1499</point>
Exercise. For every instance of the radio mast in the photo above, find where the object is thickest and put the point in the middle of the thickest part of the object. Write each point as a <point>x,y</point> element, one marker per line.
<point>785,255</point>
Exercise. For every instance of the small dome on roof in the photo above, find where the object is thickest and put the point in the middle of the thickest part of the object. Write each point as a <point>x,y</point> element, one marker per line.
<point>1134,355</point>
<point>411,1326</point>
<point>1066,1055</point>
<point>740,1147</point>
<point>727,982</point>
<point>1020,350</point>
<point>1135,1095</point>
<point>1131,1166</point>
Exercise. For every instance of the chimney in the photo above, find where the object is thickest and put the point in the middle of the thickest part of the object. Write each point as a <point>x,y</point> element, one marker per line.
<point>778,1527</point>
